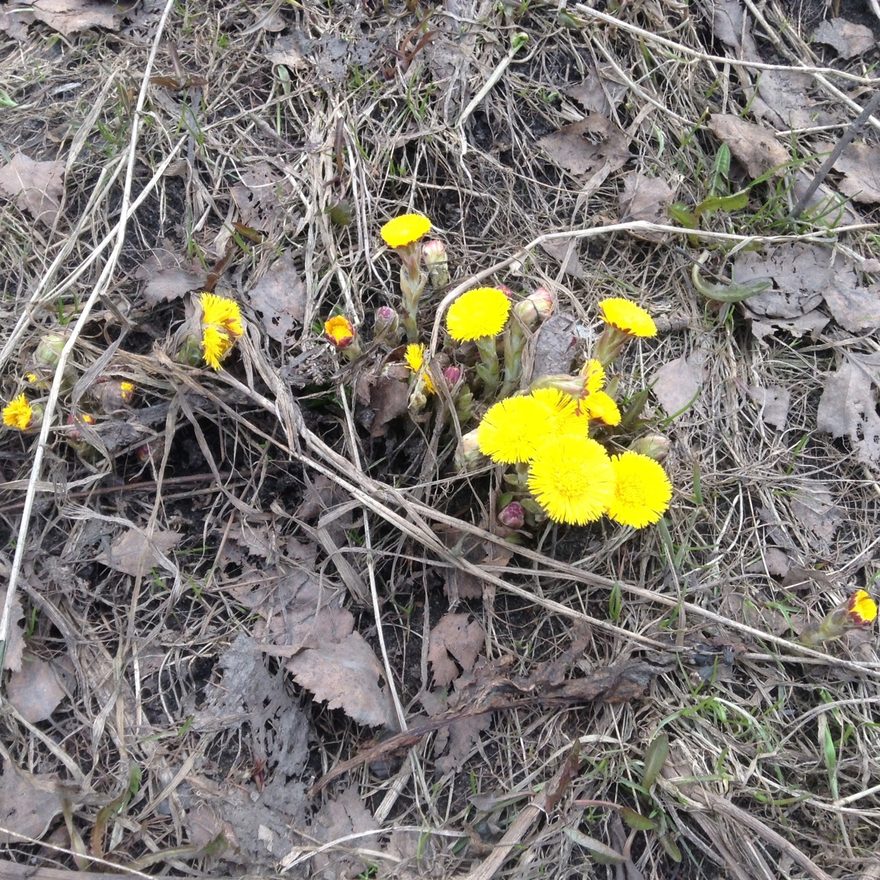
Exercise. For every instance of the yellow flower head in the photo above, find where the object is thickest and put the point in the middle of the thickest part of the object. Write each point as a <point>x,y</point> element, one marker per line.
<point>31,378</point>
<point>627,317</point>
<point>642,493</point>
<point>221,326</point>
<point>512,429</point>
<point>126,391</point>
<point>478,313</point>
<point>18,413</point>
<point>339,331</point>
<point>862,608</point>
<point>223,312</point>
<point>561,413</point>
<point>415,360</point>
<point>572,479</point>
<point>593,374</point>
<point>603,408</point>
<point>405,229</point>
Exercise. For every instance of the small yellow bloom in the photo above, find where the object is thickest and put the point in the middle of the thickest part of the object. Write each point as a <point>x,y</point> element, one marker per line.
<point>31,378</point>
<point>222,312</point>
<point>415,360</point>
<point>479,313</point>
<point>405,229</point>
<point>627,317</point>
<point>572,479</point>
<point>126,391</point>
<point>862,608</point>
<point>221,326</point>
<point>339,331</point>
<point>18,413</point>
<point>603,408</point>
<point>512,429</point>
<point>642,492</point>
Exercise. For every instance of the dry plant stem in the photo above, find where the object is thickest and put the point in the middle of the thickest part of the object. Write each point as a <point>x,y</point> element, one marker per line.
<point>720,59</point>
<point>99,289</point>
<point>845,140</point>
<point>630,226</point>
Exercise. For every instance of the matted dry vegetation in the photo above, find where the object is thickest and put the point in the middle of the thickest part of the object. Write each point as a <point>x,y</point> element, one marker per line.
<point>253,582</point>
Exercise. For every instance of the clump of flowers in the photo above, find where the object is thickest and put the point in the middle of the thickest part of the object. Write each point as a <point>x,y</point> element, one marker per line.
<point>859,611</point>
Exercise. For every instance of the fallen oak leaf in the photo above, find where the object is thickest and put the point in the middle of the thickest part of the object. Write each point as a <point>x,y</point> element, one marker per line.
<point>454,640</point>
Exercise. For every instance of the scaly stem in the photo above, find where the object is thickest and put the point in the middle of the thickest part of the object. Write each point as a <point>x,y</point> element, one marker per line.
<point>489,370</point>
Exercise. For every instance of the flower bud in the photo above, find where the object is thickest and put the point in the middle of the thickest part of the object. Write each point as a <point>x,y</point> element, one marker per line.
<point>655,446</point>
<point>113,394</point>
<point>386,325</point>
<point>452,375</point>
<point>436,262</point>
<point>75,422</point>
<point>536,307</point>
<point>513,516</point>
<point>342,335</point>
<point>48,351</point>
<point>468,454</point>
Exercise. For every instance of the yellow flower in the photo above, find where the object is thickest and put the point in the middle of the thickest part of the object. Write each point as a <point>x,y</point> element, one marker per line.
<point>602,407</point>
<point>477,314</point>
<point>339,331</point>
<point>572,479</point>
<point>512,429</point>
<point>221,326</point>
<point>18,413</point>
<point>222,312</point>
<point>627,317</point>
<point>643,490</point>
<point>561,414</point>
<point>405,229</point>
<point>415,360</point>
<point>594,376</point>
<point>32,378</point>
<point>126,391</point>
<point>862,608</point>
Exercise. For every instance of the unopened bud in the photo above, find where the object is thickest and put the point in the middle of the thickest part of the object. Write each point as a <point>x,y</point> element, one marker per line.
<point>468,454</point>
<point>655,446</point>
<point>452,375</point>
<point>386,325</point>
<point>113,394</point>
<point>513,516</point>
<point>436,262</point>
<point>75,423</point>
<point>48,351</point>
<point>536,307</point>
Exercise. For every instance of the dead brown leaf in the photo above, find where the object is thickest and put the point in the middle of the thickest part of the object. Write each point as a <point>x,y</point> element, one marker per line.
<point>753,145</point>
<point>384,396</point>
<point>814,507</point>
<point>677,383</point>
<point>645,198</point>
<point>14,634</point>
<point>566,254</point>
<point>554,346</point>
<point>344,672</point>
<point>15,22</point>
<point>586,147</point>
<point>36,187</point>
<point>28,805</point>
<point>845,37</point>
<point>287,50</point>
<point>774,402</point>
<point>338,818</point>
<point>262,198</point>
<point>453,640</point>
<point>70,16</point>
<point>35,690</point>
<point>860,166</point>
<point>599,93</point>
<point>168,276</point>
<point>132,552</point>
<point>848,408</point>
<point>279,297</point>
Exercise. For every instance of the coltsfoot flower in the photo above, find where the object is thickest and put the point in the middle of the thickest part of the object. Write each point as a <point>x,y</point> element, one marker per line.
<point>572,480</point>
<point>478,314</point>
<point>18,413</point>
<point>628,317</point>
<point>405,230</point>
<point>862,608</point>
<point>512,429</point>
<point>221,326</point>
<point>339,332</point>
<point>415,360</point>
<point>642,490</point>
